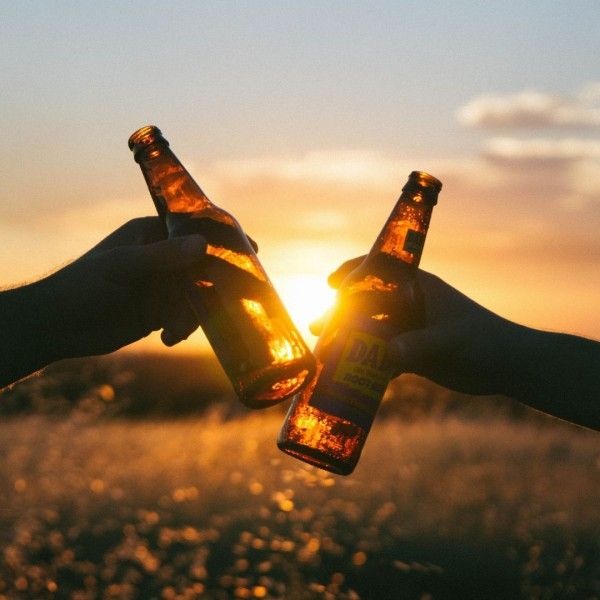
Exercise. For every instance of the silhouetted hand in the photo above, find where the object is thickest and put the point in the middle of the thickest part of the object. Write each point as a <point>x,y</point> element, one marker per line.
<point>122,289</point>
<point>468,348</point>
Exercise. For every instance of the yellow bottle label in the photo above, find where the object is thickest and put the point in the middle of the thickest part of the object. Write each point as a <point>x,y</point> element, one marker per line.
<point>361,366</point>
<point>354,378</point>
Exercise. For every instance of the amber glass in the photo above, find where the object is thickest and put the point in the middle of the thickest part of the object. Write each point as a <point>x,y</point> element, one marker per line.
<point>328,423</point>
<point>244,320</point>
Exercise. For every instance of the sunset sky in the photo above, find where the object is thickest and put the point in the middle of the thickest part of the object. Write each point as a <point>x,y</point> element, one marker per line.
<point>303,119</point>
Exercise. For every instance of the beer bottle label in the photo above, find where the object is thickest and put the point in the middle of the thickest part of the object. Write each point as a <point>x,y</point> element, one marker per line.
<point>354,378</point>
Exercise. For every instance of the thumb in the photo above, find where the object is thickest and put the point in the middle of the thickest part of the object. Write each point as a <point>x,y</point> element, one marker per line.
<point>335,279</point>
<point>166,256</point>
<point>415,351</point>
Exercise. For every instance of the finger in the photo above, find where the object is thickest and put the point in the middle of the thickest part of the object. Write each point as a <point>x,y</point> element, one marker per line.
<point>166,256</point>
<point>143,230</point>
<point>317,325</point>
<point>180,321</point>
<point>180,329</point>
<point>336,278</point>
<point>104,342</point>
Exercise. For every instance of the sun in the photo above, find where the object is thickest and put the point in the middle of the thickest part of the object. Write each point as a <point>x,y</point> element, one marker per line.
<point>306,298</point>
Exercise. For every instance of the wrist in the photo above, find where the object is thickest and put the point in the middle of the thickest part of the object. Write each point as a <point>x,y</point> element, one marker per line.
<point>558,374</point>
<point>519,350</point>
<point>28,327</point>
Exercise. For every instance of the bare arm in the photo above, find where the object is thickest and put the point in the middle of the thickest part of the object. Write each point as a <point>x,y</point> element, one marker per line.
<point>558,374</point>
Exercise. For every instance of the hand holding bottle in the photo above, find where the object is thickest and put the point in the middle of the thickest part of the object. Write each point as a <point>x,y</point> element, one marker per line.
<point>469,349</point>
<point>115,294</point>
<point>244,320</point>
<point>328,423</point>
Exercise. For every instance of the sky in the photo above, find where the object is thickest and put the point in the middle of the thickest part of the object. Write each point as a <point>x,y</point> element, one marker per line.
<point>304,119</point>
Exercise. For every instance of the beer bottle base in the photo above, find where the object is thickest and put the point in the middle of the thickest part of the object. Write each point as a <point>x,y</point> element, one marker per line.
<point>316,458</point>
<point>270,387</point>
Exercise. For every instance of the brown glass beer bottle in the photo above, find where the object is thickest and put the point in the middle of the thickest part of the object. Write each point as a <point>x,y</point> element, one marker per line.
<point>244,320</point>
<point>328,423</point>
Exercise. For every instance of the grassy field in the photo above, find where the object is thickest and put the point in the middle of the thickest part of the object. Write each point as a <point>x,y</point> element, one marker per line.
<point>206,506</point>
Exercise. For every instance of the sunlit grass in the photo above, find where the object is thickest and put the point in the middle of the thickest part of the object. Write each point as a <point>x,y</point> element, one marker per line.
<point>207,508</point>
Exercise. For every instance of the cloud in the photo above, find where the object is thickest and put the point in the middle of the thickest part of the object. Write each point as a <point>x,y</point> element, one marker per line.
<point>568,168</point>
<point>338,167</point>
<point>325,220</point>
<point>530,109</point>
<point>489,208</point>
<point>326,194</point>
<point>340,199</point>
<point>584,186</point>
<point>311,181</point>
<point>542,149</point>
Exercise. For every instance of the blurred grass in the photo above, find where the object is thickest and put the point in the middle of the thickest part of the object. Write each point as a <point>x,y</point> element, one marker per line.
<point>125,385</point>
<point>161,385</point>
<point>97,504</point>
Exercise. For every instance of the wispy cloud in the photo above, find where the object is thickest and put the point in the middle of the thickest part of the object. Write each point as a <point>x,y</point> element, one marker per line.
<point>336,166</point>
<point>566,168</point>
<point>499,224</point>
<point>532,109</point>
<point>542,149</point>
<point>336,202</point>
<point>324,195</point>
<point>285,200</point>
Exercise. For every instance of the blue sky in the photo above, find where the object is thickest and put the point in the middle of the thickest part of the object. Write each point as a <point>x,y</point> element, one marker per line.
<point>291,76</point>
<point>299,116</point>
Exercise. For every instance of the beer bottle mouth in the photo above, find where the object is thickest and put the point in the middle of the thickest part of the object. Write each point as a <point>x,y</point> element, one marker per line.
<point>145,137</point>
<point>424,179</point>
<point>423,185</point>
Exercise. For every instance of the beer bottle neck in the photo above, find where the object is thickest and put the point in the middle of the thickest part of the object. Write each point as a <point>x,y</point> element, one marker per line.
<point>172,188</point>
<point>403,235</point>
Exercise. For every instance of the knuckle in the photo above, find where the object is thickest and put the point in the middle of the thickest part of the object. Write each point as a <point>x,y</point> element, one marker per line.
<point>140,222</point>
<point>145,229</point>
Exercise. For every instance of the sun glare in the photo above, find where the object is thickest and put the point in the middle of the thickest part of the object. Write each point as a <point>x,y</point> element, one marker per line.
<point>306,298</point>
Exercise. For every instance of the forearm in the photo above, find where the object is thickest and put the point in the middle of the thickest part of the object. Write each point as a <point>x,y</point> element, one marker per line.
<point>558,374</point>
<point>27,332</point>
